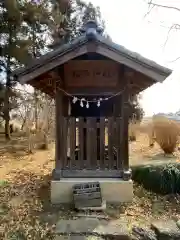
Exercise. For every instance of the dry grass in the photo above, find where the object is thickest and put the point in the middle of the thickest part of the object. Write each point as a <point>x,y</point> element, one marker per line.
<point>166,134</point>
<point>141,153</point>
<point>26,212</point>
<point>163,131</point>
<point>25,209</point>
<point>24,192</point>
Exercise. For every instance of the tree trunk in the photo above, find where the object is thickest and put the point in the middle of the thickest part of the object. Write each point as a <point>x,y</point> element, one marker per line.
<point>8,85</point>
<point>23,124</point>
<point>35,91</point>
<point>7,129</point>
<point>6,114</point>
<point>45,137</point>
<point>36,109</point>
<point>6,102</point>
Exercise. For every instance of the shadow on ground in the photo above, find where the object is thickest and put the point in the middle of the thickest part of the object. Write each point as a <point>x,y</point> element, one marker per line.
<point>16,147</point>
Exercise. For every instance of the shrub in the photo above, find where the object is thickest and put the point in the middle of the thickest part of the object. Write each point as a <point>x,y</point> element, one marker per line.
<point>3,183</point>
<point>166,133</point>
<point>160,179</point>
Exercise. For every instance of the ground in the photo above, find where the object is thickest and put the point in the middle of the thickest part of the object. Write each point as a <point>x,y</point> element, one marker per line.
<point>141,153</point>
<point>25,209</point>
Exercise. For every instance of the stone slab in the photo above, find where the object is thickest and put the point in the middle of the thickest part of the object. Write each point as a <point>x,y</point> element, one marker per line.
<point>166,230</point>
<point>143,234</point>
<point>78,237</point>
<point>96,227</point>
<point>88,203</point>
<point>99,208</point>
<point>91,215</point>
<point>78,226</point>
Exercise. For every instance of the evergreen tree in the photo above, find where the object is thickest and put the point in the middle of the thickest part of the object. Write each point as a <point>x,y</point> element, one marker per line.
<point>76,13</point>
<point>22,30</point>
<point>38,17</point>
<point>12,48</point>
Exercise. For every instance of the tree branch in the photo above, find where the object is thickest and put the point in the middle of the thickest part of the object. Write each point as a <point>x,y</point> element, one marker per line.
<point>173,27</point>
<point>174,60</point>
<point>150,9</point>
<point>163,6</point>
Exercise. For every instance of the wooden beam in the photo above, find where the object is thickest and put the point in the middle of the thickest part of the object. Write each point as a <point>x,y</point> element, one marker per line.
<point>123,140</point>
<point>91,173</point>
<point>93,91</point>
<point>53,63</point>
<point>47,79</point>
<point>47,85</point>
<point>45,90</point>
<point>137,78</point>
<point>127,61</point>
<point>125,117</point>
<point>125,135</point>
<point>136,81</point>
<point>59,150</point>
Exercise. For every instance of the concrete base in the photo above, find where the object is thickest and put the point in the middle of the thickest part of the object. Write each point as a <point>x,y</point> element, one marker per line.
<point>113,190</point>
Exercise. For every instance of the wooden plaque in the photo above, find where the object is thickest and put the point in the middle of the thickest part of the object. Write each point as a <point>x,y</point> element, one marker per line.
<point>91,73</point>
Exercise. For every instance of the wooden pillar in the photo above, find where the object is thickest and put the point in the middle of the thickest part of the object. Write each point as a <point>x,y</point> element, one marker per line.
<point>125,135</point>
<point>59,150</point>
<point>117,112</point>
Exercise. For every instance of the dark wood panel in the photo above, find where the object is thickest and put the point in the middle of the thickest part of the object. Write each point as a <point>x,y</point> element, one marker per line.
<point>88,73</point>
<point>91,152</point>
<point>92,173</point>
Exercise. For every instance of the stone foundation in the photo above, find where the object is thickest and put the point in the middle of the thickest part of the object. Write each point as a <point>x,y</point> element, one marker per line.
<point>113,190</point>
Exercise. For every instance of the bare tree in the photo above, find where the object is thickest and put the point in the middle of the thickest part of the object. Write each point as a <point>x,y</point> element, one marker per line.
<point>153,4</point>
<point>36,127</point>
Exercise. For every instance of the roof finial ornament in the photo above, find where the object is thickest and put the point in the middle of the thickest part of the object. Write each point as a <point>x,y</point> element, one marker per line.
<point>91,29</point>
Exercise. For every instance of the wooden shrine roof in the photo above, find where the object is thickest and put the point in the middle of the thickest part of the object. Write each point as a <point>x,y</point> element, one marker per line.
<point>92,41</point>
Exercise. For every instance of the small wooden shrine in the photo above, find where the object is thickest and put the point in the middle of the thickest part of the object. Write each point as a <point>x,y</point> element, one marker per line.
<point>92,80</point>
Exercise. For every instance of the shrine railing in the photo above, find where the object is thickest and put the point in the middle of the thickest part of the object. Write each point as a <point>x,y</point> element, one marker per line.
<point>92,143</point>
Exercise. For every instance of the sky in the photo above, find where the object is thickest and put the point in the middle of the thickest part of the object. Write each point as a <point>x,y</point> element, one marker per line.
<point>127,25</point>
